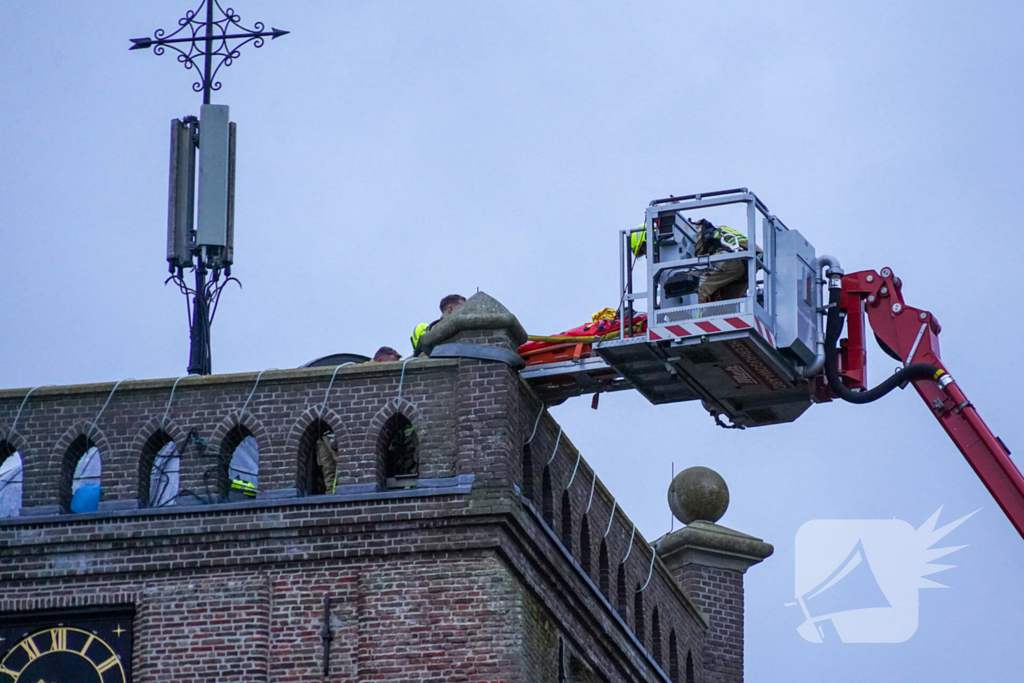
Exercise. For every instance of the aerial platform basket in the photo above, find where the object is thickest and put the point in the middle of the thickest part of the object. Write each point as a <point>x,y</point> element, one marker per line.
<point>748,359</point>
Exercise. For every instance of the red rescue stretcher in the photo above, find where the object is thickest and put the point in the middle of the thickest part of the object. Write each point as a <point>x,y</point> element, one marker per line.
<point>577,343</point>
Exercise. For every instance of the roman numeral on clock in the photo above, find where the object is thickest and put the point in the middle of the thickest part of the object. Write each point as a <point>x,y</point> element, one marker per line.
<point>109,664</point>
<point>30,648</point>
<point>59,638</point>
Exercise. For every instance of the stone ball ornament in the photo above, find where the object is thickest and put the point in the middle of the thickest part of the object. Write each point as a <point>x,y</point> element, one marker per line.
<point>698,493</point>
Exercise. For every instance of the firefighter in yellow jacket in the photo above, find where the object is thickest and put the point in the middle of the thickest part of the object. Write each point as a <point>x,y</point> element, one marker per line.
<point>724,279</point>
<point>449,305</point>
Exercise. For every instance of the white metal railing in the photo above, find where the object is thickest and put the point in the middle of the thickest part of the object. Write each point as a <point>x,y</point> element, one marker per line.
<point>759,260</point>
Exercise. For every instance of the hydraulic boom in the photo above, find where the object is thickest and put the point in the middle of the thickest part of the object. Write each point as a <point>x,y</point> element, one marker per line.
<point>910,335</point>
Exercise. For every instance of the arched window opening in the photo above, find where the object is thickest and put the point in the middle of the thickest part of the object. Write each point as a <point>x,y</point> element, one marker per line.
<point>159,471</point>
<point>241,453</point>
<point>638,613</point>
<point>620,585</point>
<point>656,636</point>
<point>11,479</point>
<point>567,522</point>
<point>398,449</point>
<point>673,657</point>
<point>547,502</point>
<point>585,544</point>
<point>604,578</point>
<point>527,471</point>
<point>689,667</point>
<point>87,477</point>
<point>318,459</point>
<point>165,479</point>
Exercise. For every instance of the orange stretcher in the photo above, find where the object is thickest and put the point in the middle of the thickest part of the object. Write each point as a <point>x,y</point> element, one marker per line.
<point>578,342</point>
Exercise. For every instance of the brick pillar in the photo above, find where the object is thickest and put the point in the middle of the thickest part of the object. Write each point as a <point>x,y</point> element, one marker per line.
<point>486,389</point>
<point>709,561</point>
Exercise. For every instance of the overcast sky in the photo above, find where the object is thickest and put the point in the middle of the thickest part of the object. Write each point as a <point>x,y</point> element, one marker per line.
<point>390,153</point>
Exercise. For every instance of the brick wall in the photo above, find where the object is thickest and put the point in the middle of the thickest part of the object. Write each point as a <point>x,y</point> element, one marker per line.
<point>204,629</point>
<point>276,411</point>
<point>719,594</point>
<point>605,534</point>
<point>458,576</point>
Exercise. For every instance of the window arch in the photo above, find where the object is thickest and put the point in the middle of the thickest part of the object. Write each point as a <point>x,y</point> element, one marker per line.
<point>547,502</point>
<point>603,575</point>
<point>567,522</point>
<point>398,451</point>
<point>527,471</point>
<point>689,667</point>
<point>620,585</point>
<point>656,635</point>
<point>673,657</point>
<point>638,614</point>
<point>318,459</point>
<point>239,476</point>
<point>585,544</point>
<point>81,477</point>
<point>12,476</point>
<point>159,471</point>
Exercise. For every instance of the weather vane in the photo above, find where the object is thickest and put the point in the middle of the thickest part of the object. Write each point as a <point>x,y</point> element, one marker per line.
<point>213,35</point>
<point>207,246</point>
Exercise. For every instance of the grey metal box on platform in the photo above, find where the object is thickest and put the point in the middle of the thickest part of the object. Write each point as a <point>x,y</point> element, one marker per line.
<point>796,322</point>
<point>214,225</point>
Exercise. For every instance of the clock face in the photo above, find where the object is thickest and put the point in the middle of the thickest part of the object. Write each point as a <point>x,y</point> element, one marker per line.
<point>62,655</point>
<point>64,649</point>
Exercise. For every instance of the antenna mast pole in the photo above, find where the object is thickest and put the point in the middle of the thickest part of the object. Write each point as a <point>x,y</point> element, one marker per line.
<point>207,246</point>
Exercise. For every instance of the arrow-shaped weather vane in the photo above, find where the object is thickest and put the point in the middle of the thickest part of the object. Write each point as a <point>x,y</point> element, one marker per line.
<point>207,39</point>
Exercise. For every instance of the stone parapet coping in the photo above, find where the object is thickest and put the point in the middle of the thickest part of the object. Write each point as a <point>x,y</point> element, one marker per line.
<point>481,312</point>
<point>711,545</point>
<point>359,370</point>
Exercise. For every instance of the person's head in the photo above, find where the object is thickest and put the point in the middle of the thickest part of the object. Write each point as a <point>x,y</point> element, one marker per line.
<point>707,242</point>
<point>451,303</point>
<point>638,241</point>
<point>385,354</point>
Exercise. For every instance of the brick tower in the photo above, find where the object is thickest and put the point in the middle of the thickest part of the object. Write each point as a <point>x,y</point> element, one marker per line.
<point>493,553</point>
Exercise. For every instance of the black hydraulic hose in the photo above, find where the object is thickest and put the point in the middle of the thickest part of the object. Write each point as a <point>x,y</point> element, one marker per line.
<point>833,329</point>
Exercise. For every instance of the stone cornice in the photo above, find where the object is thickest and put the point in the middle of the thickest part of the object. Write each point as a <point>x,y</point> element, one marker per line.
<point>360,370</point>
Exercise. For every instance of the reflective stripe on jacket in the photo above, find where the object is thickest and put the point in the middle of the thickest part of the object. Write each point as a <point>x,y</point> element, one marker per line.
<point>417,332</point>
<point>244,486</point>
<point>638,240</point>
<point>731,239</point>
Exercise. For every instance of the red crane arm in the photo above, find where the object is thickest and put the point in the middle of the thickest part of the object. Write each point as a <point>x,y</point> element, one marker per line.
<point>912,335</point>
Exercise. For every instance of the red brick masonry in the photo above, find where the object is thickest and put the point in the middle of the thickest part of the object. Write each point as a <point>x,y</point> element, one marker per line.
<point>485,570</point>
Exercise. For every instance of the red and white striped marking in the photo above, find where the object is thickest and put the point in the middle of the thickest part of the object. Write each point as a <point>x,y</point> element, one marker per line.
<point>765,332</point>
<point>702,327</point>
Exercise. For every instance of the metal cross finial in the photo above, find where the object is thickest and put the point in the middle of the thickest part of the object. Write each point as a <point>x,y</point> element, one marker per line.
<point>207,39</point>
